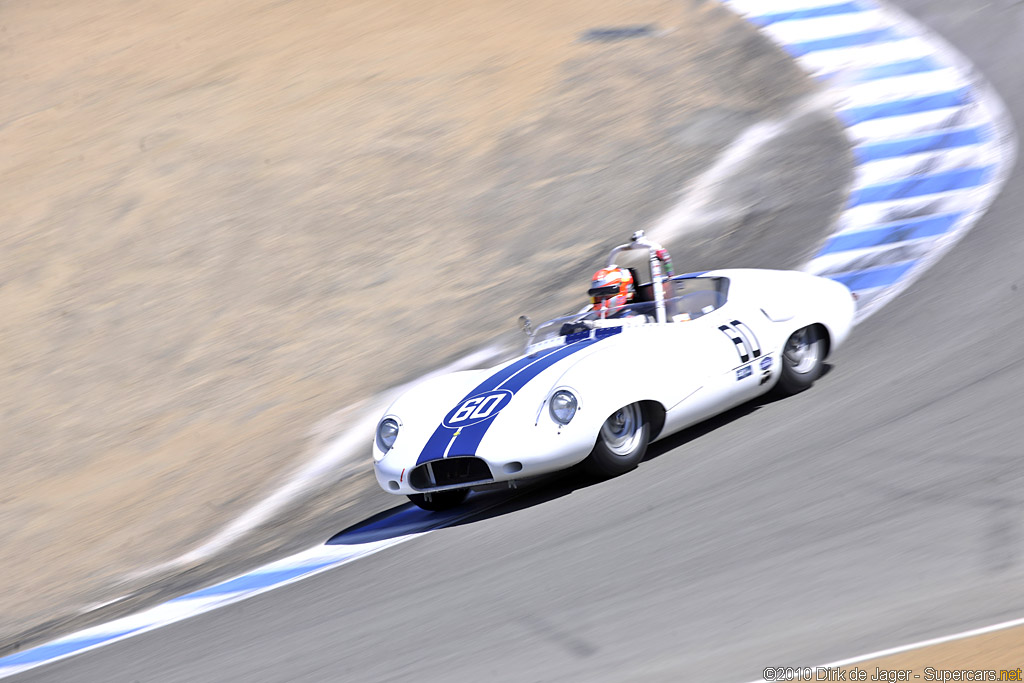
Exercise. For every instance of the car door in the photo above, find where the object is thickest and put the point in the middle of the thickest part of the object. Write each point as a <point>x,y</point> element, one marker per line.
<point>737,350</point>
<point>752,339</point>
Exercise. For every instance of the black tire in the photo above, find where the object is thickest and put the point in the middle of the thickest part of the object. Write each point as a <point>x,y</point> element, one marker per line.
<point>621,443</point>
<point>802,360</point>
<point>439,500</point>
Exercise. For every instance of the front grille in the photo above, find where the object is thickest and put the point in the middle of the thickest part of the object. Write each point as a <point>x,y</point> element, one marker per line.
<point>449,472</point>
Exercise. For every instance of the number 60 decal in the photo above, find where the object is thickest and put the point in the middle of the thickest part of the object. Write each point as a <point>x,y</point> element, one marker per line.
<point>477,409</point>
<point>744,339</point>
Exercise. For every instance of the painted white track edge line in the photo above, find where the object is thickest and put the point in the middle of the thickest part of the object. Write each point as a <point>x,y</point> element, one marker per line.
<point>203,609</point>
<point>900,649</point>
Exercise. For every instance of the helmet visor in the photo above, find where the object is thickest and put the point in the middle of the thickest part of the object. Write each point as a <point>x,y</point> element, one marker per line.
<point>603,292</point>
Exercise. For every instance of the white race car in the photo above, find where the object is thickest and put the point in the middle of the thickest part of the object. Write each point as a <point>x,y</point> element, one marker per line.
<point>600,388</point>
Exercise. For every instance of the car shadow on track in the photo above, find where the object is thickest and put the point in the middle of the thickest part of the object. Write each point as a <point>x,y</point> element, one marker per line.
<point>407,519</point>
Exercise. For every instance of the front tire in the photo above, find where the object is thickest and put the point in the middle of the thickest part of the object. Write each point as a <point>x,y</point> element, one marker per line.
<point>621,443</point>
<point>439,500</point>
<point>803,360</point>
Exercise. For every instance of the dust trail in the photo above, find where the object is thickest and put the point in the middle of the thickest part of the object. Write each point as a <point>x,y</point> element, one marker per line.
<point>702,204</point>
<point>352,444</point>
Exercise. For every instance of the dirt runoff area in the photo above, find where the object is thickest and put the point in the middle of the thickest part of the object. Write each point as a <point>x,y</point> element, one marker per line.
<point>224,220</point>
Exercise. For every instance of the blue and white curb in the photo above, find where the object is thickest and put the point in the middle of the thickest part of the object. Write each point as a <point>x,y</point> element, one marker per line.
<point>265,578</point>
<point>353,544</point>
<point>933,146</point>
<point>932,142</point>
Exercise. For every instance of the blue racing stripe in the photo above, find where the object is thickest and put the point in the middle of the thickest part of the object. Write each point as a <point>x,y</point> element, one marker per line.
<point>917,145</point>
<point>912,105</point>
<point>438,441</point>
<point>874,277</point>
<point>852,40</point>
<point>517,382</point>
<point>921,185</point>
<point>469,437</point>
<point>512,368</point>
<point>890,234</point>
<point>907,68</point>
<point>810,13</point>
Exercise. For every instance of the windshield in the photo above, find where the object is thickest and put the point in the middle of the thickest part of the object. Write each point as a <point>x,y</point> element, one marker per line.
<point>700,296</point>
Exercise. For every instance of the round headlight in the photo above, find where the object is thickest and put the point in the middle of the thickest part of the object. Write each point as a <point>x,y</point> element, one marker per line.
<point>562,406</point>
<point>387,432</point>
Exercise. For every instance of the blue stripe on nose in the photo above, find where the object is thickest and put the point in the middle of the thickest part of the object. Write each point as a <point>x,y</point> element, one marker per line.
<point>512,378</point>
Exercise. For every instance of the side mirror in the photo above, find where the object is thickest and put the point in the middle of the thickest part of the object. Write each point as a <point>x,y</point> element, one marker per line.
<point>524,322</point>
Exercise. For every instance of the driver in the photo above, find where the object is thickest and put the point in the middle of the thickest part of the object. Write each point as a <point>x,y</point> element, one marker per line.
<point>611,288</point>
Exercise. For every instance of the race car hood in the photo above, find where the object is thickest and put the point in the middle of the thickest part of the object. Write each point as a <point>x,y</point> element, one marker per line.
<point>450,415</point>
<point>483,411</point>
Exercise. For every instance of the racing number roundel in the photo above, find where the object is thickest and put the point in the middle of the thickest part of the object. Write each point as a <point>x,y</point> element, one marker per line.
<point>477,409</point>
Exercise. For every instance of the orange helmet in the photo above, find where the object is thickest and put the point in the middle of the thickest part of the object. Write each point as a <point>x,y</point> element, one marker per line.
<point>611,288</point>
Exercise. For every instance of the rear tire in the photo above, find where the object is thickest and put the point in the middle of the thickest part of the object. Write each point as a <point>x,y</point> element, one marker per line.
<point>621,443</point>
<point>439,500</point>
<point>802,361</point>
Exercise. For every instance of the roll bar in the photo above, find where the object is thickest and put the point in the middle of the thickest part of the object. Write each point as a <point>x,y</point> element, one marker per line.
<point>640,241</point>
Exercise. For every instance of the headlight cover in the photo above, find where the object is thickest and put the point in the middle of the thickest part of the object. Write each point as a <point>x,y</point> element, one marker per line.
<point>562,406</point>
<point>387,432</point>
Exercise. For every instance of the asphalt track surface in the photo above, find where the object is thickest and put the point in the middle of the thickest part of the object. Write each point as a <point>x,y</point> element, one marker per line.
<point>881,507</point>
